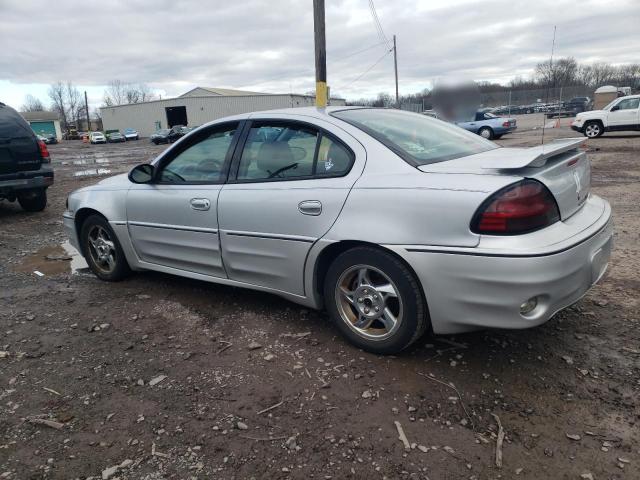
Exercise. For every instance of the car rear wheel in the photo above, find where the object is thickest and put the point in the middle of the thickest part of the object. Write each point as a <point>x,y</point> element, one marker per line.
<point>375,300</point>
<point>33,200</point>
<point>593,129</point>
<point>486,132</point>
<point>102,250</point>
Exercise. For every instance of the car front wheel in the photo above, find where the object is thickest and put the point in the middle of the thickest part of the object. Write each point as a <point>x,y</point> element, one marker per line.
<point>593,129</point>
<point>375,300</point>
<point>102,250</point>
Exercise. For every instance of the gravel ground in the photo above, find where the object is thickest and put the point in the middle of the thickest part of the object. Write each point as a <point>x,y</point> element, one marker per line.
<point>162,377</point>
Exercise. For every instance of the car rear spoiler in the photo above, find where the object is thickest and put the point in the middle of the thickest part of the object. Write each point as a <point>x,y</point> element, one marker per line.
<point>534,156</point>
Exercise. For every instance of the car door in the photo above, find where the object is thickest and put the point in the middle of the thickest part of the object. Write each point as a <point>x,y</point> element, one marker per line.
<point>286,188</point>
<point>173,221</point>
<point>624,115</point>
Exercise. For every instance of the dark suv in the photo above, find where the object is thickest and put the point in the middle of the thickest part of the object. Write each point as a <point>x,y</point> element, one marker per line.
<point>579,104</point>
<point>25,165</point>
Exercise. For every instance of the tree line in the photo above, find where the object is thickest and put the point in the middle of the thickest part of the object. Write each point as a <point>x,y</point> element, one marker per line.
<point>563,72</point>
<point>66,100</point>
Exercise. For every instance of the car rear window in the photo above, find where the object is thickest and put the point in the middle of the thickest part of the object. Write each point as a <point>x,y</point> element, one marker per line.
<point>418,139</point>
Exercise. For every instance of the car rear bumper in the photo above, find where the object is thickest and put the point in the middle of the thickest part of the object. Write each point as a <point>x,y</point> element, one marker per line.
<point>468,290</point>
<point>26,180</point>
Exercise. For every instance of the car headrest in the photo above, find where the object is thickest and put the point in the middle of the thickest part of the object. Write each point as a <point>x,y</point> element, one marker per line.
<point>274,155</point>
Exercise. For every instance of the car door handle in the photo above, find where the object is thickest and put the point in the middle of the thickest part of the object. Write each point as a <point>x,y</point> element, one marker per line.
<point>310,207</point>
<point>200,203</point>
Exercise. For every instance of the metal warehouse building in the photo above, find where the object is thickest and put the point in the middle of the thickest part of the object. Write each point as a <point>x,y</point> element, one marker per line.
<point>196,107</point>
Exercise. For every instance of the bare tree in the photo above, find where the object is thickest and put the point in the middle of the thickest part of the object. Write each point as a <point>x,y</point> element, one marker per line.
<point>559,73</point>
<point>32,104</point>
<point>58,98</point>
<point>115,94</point>
<point>74,101</point>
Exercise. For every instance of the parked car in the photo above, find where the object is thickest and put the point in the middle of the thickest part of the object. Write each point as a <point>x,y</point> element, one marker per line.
<point>394,222</point>
<point>489,125</point>
<point>116,137</point>
<point>621,114</point>
<point>49,138</point>
<point>160,136</point>
<point>579,104</point>
<point>25,164</point>
<point>97,137</point>
<point>178,131</point>
<point>131,134</point>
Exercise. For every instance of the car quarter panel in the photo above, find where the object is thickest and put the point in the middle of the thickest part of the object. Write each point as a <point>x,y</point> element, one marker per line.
<point>415,208</point>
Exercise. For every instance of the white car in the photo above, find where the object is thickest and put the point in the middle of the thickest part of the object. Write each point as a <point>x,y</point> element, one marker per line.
<point>623,114</point>
<point>97,137</point>
<point>394,222</point>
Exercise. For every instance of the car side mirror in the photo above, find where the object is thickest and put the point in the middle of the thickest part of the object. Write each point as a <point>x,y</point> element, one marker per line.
<point>142,173</point>
<point>615,107</point>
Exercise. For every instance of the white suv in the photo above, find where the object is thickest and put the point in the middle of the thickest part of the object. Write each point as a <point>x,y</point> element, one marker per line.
<point>621,114</point>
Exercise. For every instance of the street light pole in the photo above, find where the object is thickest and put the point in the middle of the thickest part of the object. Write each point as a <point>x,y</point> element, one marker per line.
<point>321,53</point>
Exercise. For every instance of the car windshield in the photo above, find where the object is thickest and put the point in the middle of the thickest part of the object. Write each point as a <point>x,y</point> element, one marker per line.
<point>418,139</point>
<point>164,131</point>
<point>129,130</point>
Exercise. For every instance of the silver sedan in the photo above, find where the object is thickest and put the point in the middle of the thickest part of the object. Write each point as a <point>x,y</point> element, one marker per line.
<point>394,222</point>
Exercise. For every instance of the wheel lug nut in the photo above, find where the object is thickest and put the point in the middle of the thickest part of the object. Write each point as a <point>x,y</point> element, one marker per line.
<point>375,297</point>
<point>377,309</point>
<point>360,300</point>
<point>366,291</point>
<point>366,310</point>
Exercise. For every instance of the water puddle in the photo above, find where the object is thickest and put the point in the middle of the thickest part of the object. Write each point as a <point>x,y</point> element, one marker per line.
<point>91,161</point>
<point>53,260</point>
<point>91,172</point>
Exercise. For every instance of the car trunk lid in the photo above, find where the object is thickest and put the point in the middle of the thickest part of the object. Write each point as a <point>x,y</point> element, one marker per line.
<point>562,166</point>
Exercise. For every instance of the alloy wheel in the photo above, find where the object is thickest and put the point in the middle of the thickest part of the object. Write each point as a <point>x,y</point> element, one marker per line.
<point>592,130</point>
<point>102,249</point>
<point>368,302</point>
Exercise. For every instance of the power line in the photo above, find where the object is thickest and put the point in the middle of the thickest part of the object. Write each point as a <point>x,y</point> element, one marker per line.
<point>308,72</point>
<point>376,23</point>
<point>366,71</point>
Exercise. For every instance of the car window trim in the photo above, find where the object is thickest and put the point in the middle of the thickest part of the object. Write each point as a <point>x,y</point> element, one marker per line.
<point>235,165</point>
<point>198,137</point>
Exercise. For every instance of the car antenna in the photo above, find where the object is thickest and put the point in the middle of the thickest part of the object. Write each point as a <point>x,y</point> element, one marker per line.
<point>553,46</point>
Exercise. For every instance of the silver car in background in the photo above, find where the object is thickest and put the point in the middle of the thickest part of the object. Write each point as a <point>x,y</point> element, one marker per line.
<point>394,222</point>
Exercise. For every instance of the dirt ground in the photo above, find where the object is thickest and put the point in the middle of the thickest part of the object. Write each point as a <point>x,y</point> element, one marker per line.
<point>162,377</point>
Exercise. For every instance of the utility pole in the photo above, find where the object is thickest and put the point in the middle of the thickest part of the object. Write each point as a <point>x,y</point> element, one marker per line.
<point>321,53</point>
<point>395,66</point>
<point>86,109</point>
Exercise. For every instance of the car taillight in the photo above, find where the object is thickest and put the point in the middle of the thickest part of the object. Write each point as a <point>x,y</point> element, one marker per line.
<point>44,152</point>
<point>506,124</point>
<point>522,207</point>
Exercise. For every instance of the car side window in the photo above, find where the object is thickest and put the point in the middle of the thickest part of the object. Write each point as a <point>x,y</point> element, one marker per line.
<point>278,151</point>
<point>202,162</point>
<point>629,104</point>
<point>333,158</point>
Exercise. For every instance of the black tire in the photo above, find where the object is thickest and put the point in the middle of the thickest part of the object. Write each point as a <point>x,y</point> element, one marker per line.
<point>497,137</point>
<point>593,129</point>
<point>486,132</point>
<point>33,200</point>
<point>120,269</point>
<point>413,318</point>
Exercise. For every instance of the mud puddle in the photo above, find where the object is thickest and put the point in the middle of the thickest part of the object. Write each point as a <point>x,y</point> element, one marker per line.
<point>92,172</point>
<point>53,260</point>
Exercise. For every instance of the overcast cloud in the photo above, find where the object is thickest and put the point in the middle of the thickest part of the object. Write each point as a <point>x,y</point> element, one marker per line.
<point>267,46</point>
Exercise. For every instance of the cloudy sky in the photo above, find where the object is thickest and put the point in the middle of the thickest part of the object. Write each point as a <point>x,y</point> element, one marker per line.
<point>174,45</point>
